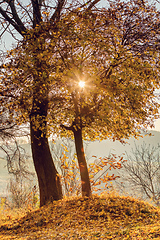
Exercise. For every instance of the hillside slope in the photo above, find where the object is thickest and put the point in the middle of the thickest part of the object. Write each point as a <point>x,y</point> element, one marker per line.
<point>105,217</point>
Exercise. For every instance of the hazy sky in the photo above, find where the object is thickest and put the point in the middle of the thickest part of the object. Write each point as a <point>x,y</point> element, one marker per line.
<point>157,125</point>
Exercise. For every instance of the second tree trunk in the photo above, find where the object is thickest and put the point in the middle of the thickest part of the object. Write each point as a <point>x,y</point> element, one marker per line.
<point>86,186</point>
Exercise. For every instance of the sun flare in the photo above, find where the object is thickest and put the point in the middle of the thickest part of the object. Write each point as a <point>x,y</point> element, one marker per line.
<point>81,84</point>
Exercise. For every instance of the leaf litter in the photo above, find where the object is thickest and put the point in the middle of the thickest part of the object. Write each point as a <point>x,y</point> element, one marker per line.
<point>99,217</point>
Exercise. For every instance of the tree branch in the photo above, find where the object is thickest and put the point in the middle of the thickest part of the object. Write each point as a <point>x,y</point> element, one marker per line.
<point>27,12</point>
<point>15,16</point>
<point>5,28</point>
<point>9,20</point>
<point>56,14</point>
<point>92,4</point>
<point>7,127</point>
<point>36,12</point>
<point>66,127</point>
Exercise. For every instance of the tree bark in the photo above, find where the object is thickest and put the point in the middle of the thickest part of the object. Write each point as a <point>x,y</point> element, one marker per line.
<point>48,178</point>
<point>85,181</point>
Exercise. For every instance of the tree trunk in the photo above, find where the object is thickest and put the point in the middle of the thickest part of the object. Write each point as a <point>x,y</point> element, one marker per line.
<point>86,186</point>
<point>48,179</point>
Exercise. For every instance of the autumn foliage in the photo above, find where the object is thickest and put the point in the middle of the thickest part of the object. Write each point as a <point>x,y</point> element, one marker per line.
<point>106,217</point>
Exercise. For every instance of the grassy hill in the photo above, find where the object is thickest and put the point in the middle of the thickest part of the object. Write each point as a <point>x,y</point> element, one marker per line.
<point>105,217</point>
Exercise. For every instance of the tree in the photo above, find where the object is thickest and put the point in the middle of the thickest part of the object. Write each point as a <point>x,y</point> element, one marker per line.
<point>26,18</point>
<point>142,170</point>
<point>115,52</point>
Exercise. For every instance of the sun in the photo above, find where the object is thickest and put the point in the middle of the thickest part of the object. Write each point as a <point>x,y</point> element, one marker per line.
<point>81,84</point>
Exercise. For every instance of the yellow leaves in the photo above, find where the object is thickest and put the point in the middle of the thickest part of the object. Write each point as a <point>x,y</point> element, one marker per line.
<point>108,216</point>
<point>45,13</point>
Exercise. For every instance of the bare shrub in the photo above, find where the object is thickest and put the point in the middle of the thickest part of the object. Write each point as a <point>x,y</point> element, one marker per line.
<point>142,171</point>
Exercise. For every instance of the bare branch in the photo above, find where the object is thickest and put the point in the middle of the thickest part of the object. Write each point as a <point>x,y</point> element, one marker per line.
<point>5,28</point>
<point>8,19</point>
<point>142,170</point>
<point>25,10</point>
<point>66,127</point>
<point>16,17</point>
<point>36,12</point>
<point>92,4</point>
<point>56,15</point>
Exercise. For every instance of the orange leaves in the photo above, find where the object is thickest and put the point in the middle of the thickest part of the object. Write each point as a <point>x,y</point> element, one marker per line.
<point>45,13</point>
<point>99,171</point>
<point>106,217</point>
<point>68,170</point>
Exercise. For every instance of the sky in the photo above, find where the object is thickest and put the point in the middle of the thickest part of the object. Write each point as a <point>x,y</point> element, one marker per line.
<point>157,125</point>
<point>7,42</point>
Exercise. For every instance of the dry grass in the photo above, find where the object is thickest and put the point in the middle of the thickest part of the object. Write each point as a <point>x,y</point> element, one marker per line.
<point>105,217</point>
